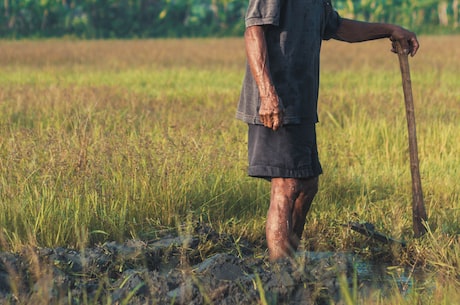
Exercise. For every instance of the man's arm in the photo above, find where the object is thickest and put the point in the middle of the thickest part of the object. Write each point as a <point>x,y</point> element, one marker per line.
<point>357,31</point>
<point>271,108</point>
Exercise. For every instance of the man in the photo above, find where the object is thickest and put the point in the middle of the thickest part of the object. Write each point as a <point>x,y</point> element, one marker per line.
<point>279,102</point>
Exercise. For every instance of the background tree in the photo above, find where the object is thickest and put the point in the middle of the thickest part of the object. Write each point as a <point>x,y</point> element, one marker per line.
<point>192,18</point>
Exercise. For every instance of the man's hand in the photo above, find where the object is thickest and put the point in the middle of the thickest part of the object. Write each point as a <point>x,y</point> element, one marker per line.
<point>407,39</point>
<point>271,112</point>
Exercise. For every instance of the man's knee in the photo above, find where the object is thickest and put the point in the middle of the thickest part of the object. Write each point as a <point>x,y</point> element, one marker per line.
<point>310,185</point>
<point>293,187</point>
<point>288,187</point>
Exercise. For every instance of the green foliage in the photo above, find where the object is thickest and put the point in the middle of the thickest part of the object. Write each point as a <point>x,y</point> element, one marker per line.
<point>422,16</point>
<point>192,18</point>
<point>120,18</point>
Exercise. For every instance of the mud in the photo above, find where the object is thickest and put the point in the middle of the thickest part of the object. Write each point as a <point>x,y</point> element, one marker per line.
<point>201,268</point>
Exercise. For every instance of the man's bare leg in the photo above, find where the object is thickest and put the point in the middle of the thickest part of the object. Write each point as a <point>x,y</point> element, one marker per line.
<point>289,204</point>
<point>309,188</point>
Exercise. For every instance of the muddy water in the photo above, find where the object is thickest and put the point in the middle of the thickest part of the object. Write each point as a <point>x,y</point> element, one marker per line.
<point>172,270</point>
<point>375,275</point>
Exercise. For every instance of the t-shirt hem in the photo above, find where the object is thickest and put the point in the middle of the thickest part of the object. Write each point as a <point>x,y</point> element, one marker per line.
<point>261,21</point>
<point>249,119</point>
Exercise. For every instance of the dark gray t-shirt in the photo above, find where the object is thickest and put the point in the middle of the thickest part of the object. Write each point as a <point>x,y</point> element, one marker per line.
<point>296,30</point>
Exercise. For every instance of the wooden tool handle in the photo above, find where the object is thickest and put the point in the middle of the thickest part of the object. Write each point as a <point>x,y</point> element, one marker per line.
<point>418,207</point>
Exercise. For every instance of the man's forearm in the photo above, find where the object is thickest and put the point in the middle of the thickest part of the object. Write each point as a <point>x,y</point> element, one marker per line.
<point>271,108</point>
<point>358,31</point>
<point>257,56</point>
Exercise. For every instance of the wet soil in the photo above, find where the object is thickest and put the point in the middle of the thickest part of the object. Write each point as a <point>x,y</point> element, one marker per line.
<point>203,267</point>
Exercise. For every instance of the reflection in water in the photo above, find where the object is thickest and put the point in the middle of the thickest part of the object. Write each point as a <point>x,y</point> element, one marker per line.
<point>375,275</point>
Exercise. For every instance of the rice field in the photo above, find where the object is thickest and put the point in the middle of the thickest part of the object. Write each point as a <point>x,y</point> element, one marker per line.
<point>111,140</point>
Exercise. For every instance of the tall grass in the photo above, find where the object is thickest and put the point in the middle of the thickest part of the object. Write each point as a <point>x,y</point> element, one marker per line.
<point>125,145</point>
<point>107,140</point>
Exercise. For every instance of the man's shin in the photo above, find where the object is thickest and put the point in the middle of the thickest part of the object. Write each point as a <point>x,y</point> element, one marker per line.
<point>302,205</point>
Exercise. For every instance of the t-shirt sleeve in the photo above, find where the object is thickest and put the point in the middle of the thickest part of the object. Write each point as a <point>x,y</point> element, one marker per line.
<point>263,12</point>
<point>332,21</point>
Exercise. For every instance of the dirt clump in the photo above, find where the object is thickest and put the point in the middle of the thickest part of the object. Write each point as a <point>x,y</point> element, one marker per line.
<point>169,270</point>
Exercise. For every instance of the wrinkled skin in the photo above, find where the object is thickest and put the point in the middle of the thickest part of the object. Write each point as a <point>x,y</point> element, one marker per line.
<point>291,198</point>
<point>271,107</point>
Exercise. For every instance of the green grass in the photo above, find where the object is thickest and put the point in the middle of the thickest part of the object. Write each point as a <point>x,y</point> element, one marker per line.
<point>107,140</point>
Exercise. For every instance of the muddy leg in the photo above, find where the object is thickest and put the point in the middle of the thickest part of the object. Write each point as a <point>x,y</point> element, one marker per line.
<point>308,189</point>
<point>279,218</point>
<point>289,203</point>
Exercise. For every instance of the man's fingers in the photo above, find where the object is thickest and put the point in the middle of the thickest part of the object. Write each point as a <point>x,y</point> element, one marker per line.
<point>262,119</point>
<point>271,121</point>
<point>409,44</point>
<point>266,120</point>
<point>414,46</point>
<point>277,121</point>
<point>269,124</point>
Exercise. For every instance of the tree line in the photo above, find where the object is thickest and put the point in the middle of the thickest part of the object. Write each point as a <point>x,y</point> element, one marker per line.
<point>193,18</point>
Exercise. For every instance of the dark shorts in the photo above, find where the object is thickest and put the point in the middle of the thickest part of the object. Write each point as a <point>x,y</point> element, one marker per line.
<point>289,152</point>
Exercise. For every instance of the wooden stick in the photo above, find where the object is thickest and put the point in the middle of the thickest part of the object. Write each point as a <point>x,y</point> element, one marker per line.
<point>418,207</point>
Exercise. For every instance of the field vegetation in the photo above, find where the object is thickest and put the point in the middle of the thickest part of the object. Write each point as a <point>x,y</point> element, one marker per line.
<point>111,140</point>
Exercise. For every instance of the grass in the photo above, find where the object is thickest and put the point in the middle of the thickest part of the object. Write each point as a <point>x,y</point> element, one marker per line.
<point>107,140</point>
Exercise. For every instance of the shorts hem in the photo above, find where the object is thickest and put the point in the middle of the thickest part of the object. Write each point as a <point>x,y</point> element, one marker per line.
<point>276,172</point>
